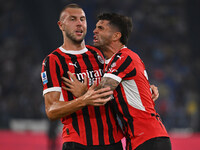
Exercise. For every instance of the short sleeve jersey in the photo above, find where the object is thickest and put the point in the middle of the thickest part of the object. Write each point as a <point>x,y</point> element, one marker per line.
<point>133,100</point>
<point>90,125</point>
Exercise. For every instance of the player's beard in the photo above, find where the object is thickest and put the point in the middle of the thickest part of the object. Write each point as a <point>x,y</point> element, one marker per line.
<point>72,37</point>
<point>103,44</point>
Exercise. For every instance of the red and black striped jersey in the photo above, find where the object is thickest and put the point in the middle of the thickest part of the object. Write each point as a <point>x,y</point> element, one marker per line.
<point>90,125</point>
<point>133,98</point>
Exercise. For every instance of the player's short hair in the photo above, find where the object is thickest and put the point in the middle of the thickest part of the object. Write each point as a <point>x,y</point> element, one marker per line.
<point>73,5</point>
<point>123,23</point>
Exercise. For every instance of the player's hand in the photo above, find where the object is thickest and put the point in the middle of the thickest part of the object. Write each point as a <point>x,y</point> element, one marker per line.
<point>155,92</point>
<point>97,97</point>
<point>74,86</point>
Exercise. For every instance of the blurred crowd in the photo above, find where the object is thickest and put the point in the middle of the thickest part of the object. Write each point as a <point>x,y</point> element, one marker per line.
<point>20,65</point>
<point>160,37</point>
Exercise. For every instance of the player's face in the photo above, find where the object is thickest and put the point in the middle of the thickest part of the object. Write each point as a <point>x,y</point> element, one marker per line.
<point>102,34</point>
<point>74,24</point>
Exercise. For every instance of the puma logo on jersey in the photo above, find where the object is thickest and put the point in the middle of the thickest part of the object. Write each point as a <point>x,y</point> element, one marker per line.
<point>73,64</point>
<point>112,70</point>
<point>120,57</point>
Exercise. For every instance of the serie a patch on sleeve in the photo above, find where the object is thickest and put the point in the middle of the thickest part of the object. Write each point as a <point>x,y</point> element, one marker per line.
<point>44,77</point>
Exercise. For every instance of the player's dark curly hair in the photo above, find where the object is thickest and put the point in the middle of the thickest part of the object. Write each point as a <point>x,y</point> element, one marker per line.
<point>123,23</point>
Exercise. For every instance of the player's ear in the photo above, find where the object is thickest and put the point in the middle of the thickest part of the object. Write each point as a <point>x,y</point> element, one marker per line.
<point>60,25</point>
<point>117,36</point>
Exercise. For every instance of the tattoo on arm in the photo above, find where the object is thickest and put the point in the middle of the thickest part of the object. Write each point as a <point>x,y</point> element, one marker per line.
<point>108,82</point>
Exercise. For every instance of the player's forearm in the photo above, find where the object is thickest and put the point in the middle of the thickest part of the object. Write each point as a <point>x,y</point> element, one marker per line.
<point>108,82</point>
<point>59,109</point>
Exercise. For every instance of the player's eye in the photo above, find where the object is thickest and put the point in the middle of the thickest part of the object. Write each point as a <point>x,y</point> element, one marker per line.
<point>72,18</point>
<point>100,27</point>
<point>82,19</point>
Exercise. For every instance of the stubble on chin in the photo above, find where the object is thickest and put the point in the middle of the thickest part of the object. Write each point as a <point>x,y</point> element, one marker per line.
<point>77,41</point>
<point>97,45</point>
<point>100,47</point>
<point>73,38</point>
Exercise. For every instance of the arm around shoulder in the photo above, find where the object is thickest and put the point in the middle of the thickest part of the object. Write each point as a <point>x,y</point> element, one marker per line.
<point>108,82</point>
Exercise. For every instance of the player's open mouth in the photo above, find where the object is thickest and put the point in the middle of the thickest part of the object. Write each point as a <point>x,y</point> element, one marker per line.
<point>95,39</point>
<point>79,32</point>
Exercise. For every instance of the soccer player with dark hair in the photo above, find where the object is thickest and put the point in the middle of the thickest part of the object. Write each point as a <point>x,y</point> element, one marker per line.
<point>127,76</point>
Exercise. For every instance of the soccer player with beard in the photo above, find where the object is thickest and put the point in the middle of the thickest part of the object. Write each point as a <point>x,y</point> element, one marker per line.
<point>127,76</point>
<point>85,127</point>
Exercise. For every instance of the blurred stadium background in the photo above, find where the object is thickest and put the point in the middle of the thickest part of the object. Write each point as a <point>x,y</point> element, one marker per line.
<point>166,35</point>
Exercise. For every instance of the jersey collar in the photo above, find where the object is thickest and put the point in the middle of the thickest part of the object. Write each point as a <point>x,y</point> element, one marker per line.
<point>74,52</point>
<point>108,60</point>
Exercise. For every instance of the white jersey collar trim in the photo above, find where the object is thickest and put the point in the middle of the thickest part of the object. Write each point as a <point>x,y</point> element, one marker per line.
<point>74,52</point>
<point>108,60</point>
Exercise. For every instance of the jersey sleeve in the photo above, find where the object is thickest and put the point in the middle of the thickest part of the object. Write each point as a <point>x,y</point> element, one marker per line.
<point>50,74</point>
<point>120,67</point>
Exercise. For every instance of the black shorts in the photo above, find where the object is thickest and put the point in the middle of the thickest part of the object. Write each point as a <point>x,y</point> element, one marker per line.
<point>158,143</point>
<point>77,146</point>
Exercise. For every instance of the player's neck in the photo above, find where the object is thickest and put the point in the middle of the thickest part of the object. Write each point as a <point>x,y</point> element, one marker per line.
<point>111,49</point>
<point>70,45</point>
